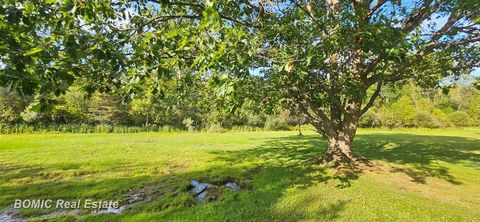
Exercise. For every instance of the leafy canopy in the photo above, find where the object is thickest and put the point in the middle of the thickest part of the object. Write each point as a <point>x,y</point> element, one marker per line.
<point>321,55</point>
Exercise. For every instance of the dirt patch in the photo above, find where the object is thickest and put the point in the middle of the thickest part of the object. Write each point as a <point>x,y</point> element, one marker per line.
<point>173,167</point>
<point>359,166</point>
<point>143,194</point>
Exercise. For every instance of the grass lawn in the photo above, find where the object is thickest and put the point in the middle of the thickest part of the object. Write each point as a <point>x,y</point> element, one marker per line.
<point>418,175</point>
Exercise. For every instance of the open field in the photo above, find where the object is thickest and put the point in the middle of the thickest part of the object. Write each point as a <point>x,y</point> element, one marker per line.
<point>418,175</point>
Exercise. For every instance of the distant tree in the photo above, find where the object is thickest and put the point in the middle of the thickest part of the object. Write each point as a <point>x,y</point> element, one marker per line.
<point>143,109</point>
<point>74,104</point>
<point>474,109</point>
<point>11,105</point>
<point>107,109</point>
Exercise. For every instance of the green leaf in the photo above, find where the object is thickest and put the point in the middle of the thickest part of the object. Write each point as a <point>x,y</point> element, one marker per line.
<point>33,51</point>
<point>172,33</point>
<point>209,3</point>
<point>36,108</point>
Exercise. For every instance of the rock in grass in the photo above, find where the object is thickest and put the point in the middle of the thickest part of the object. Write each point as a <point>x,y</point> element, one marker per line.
<point>205,192</point>
<point>233,186</point>
<point>201,197</point>
<point>194,183</point>
<point>198,187</point>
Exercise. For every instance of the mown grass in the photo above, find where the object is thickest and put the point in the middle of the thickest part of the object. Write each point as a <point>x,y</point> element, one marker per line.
<point>418,175</point>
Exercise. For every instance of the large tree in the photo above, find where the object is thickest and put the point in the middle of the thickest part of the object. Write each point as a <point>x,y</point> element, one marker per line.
<point>333,57</point>
<point>329,58</point>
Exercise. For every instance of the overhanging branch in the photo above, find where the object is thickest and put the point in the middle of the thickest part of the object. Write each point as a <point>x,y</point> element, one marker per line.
<point>372,11</point>
<point>372,98</point>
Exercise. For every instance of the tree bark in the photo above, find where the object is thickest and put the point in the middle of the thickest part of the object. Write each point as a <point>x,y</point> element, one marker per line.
<point>299,129</point>
<point>339,149</point>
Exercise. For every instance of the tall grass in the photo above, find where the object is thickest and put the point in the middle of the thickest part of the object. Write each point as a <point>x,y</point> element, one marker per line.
<point>85,128</point>
<point>112,128</point>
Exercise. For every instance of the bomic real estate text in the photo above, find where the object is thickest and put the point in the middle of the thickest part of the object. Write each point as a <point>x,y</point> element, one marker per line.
<point>64,204</point>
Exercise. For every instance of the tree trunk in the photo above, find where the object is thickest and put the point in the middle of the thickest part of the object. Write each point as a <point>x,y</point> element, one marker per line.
<point>299,129</point>
<point>339,150</point>
<point>340,138</point>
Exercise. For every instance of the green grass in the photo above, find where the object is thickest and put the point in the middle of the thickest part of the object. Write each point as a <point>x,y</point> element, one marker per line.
<point>418,175</point>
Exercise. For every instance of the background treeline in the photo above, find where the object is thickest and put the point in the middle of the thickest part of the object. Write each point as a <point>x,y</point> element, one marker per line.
<point>176,106</point>
<point>200,107</point>
<point>412,106</point>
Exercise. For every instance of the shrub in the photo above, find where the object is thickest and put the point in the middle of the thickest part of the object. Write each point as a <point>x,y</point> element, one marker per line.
<point>246,128</point>
<point>11,105</point>
<point>425,119</point>
<point>441,118</point>
<point>170,128</point>
<point>216,128</point>
<point>256,120</point>
<point>276,123</point>
<point>369,120</point>
<point>460,118</point>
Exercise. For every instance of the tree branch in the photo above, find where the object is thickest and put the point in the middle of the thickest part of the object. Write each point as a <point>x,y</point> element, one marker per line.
<point>201,7</point>
<point>309,13</point>
<point>327,124</point>
<point>372,98</point>
<point>378,5</point>
<point>465,41</point>
<point>417,17</point>
<point>452,19</point>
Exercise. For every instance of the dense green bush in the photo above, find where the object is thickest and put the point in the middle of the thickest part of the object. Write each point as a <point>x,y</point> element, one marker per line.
<point>11,106</point>
<point>460,118</point>
<point>216,128</point>
<point>370,120</point>
<point>276,123</point>
<point>430,108</point>
<point>425,119</point>
<point>256,120</point>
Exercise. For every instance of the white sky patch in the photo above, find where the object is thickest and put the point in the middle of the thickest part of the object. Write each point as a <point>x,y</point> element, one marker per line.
<point>123,21</point>
<point>475,73</point>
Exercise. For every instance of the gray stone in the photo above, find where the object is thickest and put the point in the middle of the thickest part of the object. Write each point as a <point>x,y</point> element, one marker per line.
<point>205,192</point>
<point>194,183</point>
<point>202,195</point>
<point>214,197</point>
<point>233,186</point>
<point>199,187</point>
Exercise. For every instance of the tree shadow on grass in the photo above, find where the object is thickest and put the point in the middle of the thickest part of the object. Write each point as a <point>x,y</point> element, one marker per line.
<point>419,155</point>
<point>296,155</point>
